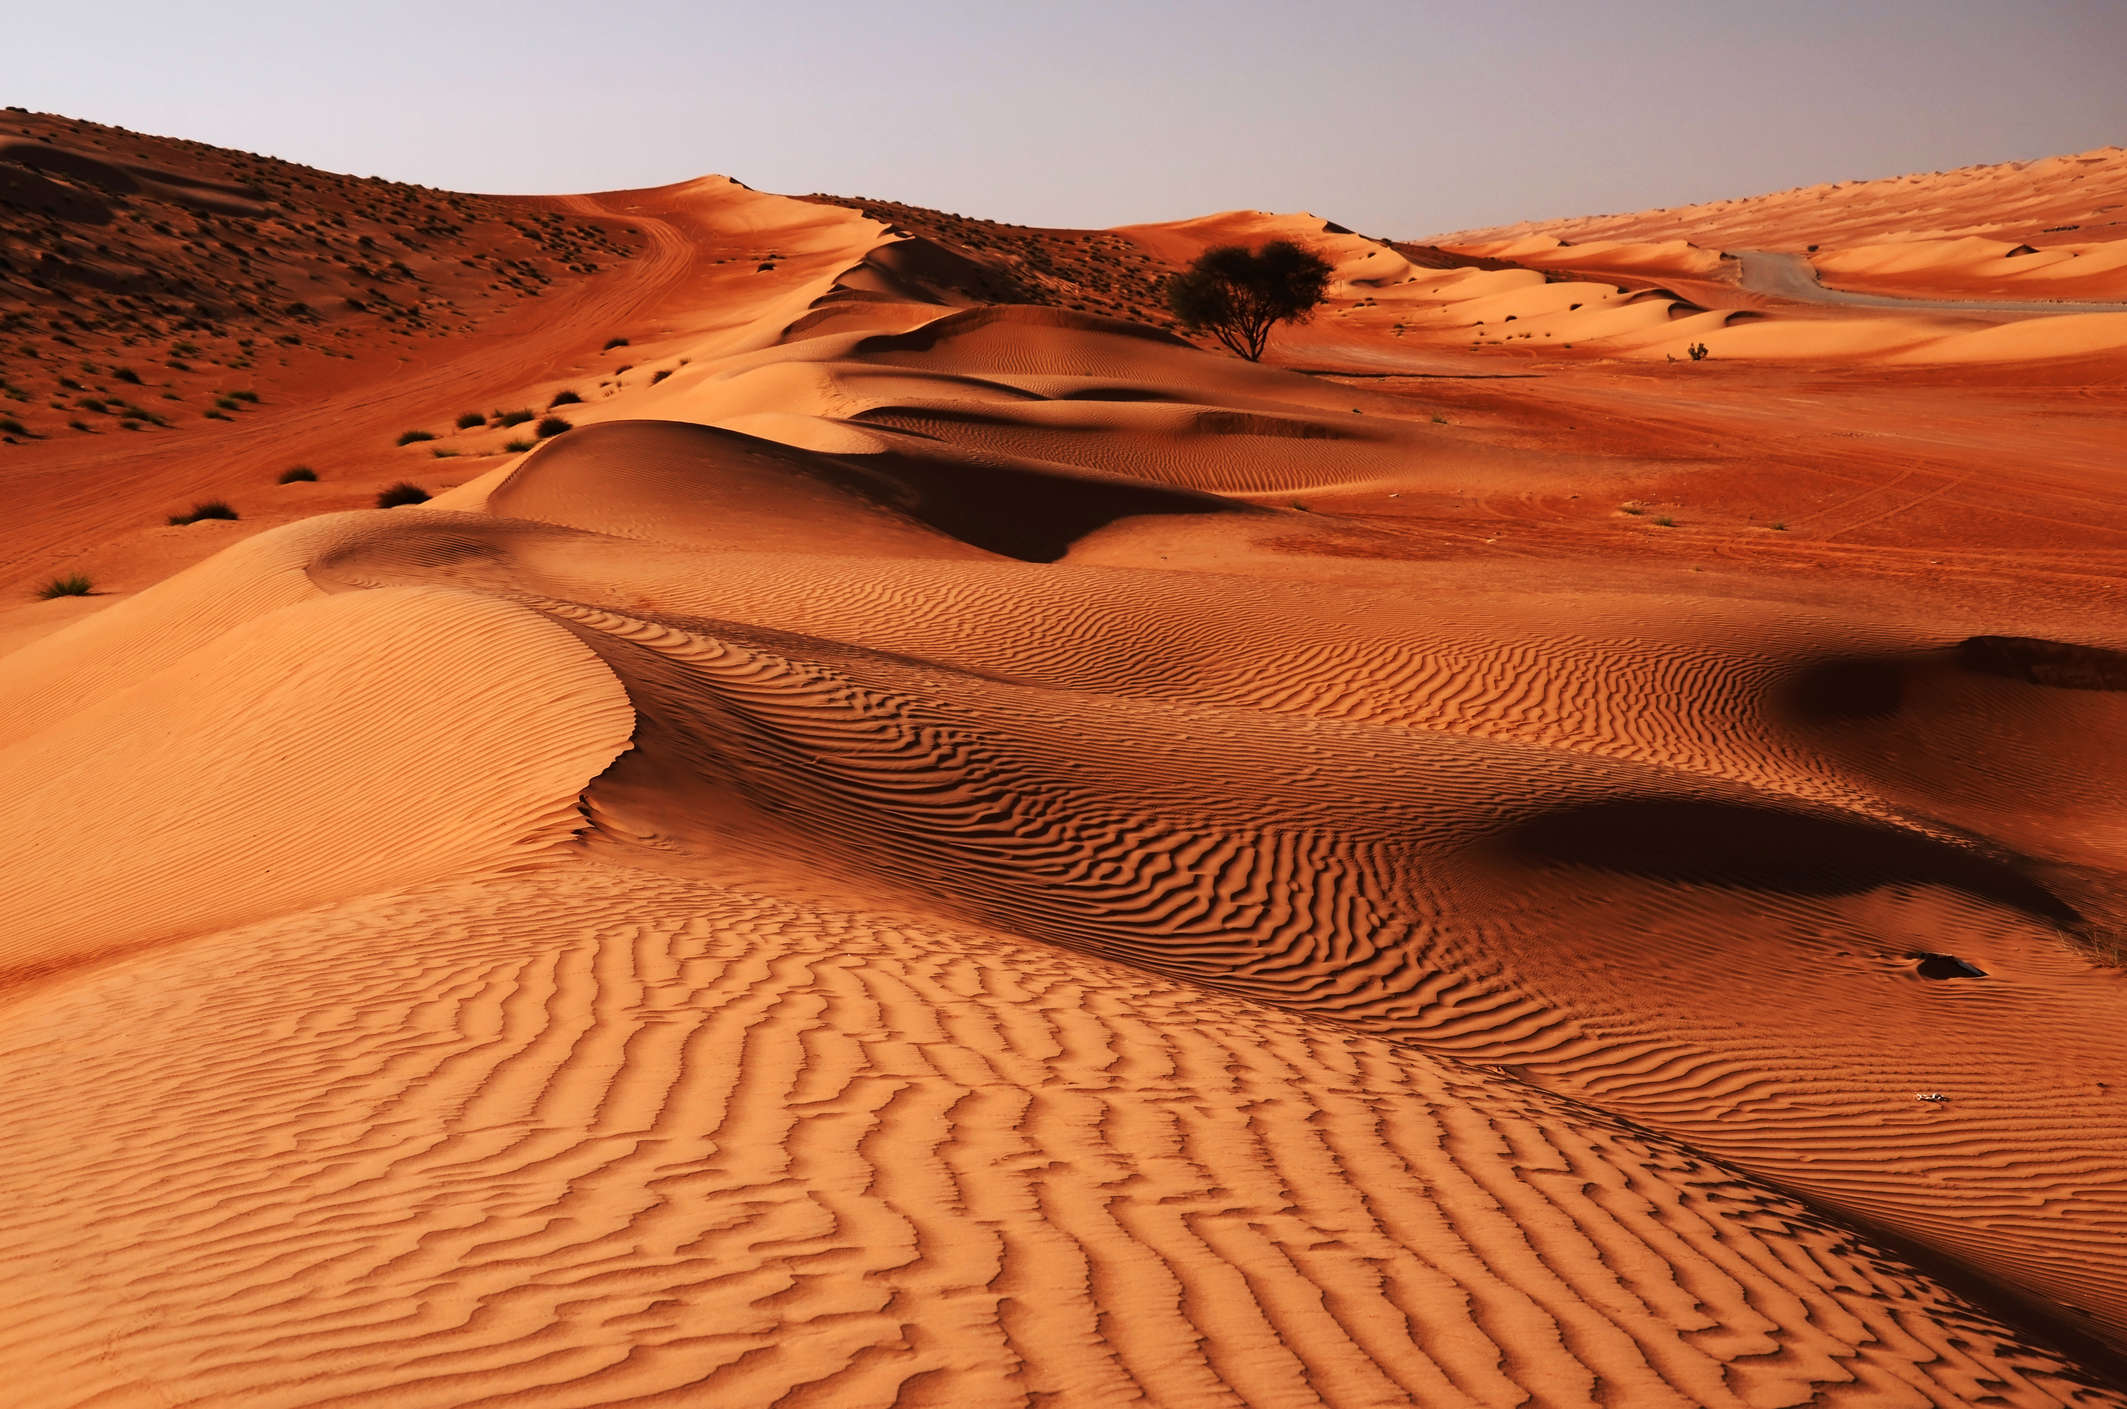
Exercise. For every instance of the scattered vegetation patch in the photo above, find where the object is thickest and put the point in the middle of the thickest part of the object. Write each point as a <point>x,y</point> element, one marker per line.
<point>517,447</point>
<point>299,474</point>
<point>212,509</point>
<point>660,375</point>
<point>404,492</point>
<point>551,426</point>
<point>612,343</point>
<point>415,437</point>
<point>564,398</point>
<point>442,454</point>
<point>74,584</point>
<point>469,419</point>
<point>513,418</point>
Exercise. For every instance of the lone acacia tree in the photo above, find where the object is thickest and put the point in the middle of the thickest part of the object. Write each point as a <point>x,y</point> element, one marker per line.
<point>1239,294</point>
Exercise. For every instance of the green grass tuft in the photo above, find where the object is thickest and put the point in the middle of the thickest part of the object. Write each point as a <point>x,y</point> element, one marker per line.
<point>74,584</point>
<point>212,509</point>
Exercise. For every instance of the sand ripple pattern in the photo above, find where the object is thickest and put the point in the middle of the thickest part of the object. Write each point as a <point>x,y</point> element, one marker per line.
<point>603,1140</point>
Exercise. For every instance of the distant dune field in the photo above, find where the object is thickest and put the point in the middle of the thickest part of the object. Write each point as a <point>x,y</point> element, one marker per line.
<point>895,831</point>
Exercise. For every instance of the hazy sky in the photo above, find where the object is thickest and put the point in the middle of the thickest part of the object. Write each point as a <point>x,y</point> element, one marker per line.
<point>1398,119</point>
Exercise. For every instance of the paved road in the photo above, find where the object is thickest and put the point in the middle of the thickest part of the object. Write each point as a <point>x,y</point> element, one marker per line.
<point>1791,276</point>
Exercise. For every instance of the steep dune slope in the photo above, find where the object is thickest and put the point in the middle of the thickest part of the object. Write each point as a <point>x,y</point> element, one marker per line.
<point>935,852</point>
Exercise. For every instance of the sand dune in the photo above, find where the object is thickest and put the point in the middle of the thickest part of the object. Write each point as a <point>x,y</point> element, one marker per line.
<point>2012,200</point>
<point>2049,230</point>
<point>946,844</point>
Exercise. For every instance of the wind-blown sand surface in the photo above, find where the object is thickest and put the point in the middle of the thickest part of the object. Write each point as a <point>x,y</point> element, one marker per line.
<point>2052,230</point>
<point>937,850</point>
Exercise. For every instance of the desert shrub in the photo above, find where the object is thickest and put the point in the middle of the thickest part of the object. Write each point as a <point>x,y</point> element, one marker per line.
<point>443,453</point>
<point>248,396</point>
<point>12,426</point>
<point>469,419</point>
<point>415,437</point>
<point>126,374</point>
<point>612,343</point>
<point>212,509</point>
<point>660,375</point>
<point>74,584</point>
<point>299,474</point>
<point>517,447</point>
<point>227,403</point>
<point>513,418</point>
<point>563,398</point>
<point>1698,351</point>
<point>1665,521</point>
<point>550,426</point>
<point>403,492</point>
<point>1239,295</point>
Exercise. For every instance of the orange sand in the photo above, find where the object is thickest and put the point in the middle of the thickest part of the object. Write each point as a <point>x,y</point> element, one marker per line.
<point>947,846</point>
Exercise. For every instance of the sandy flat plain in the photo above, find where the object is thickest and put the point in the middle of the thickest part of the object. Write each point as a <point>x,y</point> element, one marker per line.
<point>940,843</point>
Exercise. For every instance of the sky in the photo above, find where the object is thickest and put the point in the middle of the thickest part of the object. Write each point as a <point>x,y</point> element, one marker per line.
<point>1397,119</point>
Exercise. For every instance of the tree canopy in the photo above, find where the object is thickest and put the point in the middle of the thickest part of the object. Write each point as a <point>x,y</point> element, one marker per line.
<point>1239,294</point>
